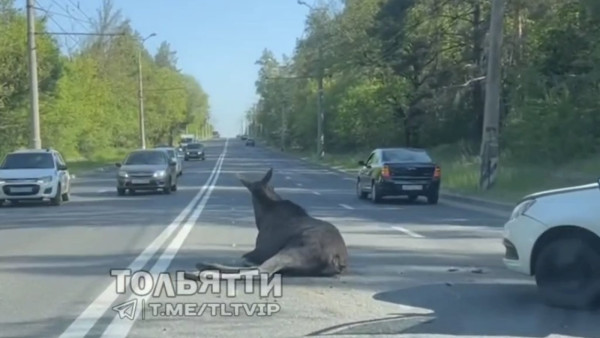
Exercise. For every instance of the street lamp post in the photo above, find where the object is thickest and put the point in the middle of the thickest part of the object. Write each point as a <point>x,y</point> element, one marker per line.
<point>320,111</point>
<point>141,94</point>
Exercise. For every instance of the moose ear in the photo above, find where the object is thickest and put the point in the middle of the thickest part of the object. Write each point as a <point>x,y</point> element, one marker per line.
<point>244,181</point>
<point>267,177</point>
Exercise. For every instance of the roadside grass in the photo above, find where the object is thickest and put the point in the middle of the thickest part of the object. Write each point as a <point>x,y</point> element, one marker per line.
<point>104,159</point>
<point>460,172</point>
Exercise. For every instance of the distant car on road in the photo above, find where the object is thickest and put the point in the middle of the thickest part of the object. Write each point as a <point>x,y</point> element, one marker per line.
<point>399,172</point>
<point>148,169</point>
<point>554,235</point>
<point>34,174</point>
<point>250,142</point>
<point>194,150</point>
<point>173,155</point>
<point>244,137</point>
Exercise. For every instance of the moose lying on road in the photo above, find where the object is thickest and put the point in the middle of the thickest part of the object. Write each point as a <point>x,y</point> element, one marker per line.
<point>289,240</point>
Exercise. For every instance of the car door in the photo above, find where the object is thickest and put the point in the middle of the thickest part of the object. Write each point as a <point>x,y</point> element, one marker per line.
<point>364,172</point>
<point>64,176</point>
<point>373,168</point>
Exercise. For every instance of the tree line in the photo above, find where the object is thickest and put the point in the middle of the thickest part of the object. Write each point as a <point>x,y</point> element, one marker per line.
<point>89,98</point>
<point>412,73</point>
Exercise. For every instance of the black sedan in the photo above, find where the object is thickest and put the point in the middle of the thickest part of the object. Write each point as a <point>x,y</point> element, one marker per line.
<point>194,150</point>
<point>399,172</point>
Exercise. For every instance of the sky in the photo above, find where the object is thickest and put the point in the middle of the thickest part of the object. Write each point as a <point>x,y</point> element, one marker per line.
<point>217,41</point>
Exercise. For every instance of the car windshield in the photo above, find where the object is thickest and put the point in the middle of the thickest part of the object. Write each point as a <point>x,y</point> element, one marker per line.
<point>146,157</point>
<point>194,146</point>
<point>28,161</point>
<point>171,153</point>
<point>403,155</point>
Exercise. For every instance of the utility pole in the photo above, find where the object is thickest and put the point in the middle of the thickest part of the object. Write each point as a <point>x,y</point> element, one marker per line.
<point>320,110</point>
<point>141,94</point>
<point>489,151</point>
<point>283,127</point>
<point>36,139</point>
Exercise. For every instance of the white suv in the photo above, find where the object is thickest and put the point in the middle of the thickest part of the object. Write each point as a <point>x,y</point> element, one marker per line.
<point>34,174</point>
<point>555,236</point>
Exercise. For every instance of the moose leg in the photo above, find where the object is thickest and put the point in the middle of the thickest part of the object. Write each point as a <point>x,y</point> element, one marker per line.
<point>297,260</point>
<point>223,268</point>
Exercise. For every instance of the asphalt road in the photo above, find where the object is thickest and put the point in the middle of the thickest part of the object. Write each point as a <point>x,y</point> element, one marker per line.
<point>415,269</point>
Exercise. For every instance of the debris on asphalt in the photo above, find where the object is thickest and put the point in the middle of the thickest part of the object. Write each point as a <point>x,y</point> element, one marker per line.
<point>448,284</point>
<point>452,269</point>
<point>477,270</point>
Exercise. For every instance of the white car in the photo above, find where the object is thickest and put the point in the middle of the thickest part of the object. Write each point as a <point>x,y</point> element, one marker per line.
<point>554,235</point>
<point>34,174</point>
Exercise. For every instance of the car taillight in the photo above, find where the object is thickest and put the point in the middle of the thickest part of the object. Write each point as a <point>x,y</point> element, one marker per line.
<point>437,173</point>
<point>385,171</point>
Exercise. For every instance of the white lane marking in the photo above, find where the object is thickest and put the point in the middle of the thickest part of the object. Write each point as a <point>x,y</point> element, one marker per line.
<point>119,327</point>
<point>346,206</point>
<point>288,178</point>
<point>299,184</point>
<point>349,179</point>
<point>88,318</point>
<point>316,193</point>
<point>408,232</point>
<point>102,191</point>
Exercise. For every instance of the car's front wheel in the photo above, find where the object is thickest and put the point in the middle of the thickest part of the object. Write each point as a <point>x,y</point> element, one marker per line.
<point>567,273</point>
<point>57,199</point>
<point>121,191</point>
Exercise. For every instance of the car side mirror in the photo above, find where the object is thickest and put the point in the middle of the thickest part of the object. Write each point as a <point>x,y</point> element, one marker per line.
<point>62,167</point>
<point>598,182</point>
<point>118,165</point>
<point>361,162</point>
<point>172,163</point>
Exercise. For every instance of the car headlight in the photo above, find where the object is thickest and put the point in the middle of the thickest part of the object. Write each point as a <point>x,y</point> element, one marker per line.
<point>45,179</point>
<point>159,173</point>
<point>123,174</point>
<point>521,208</point>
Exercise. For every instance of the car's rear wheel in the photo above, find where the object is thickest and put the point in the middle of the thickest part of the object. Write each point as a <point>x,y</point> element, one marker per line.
<point>433,197</point>
<point>121,191</point>
<point>1,202</point>
<point>375,195</point>
<point>359,191</point>
<point>567,273</point>
<point>66,197</point>
<point>412,198</point>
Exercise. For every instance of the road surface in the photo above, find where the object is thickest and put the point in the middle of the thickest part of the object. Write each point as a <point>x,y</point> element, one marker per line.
<point>415,269</point>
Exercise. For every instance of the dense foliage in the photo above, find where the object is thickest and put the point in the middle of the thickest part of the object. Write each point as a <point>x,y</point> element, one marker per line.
<point>412,72</point>
<point>89,99</point>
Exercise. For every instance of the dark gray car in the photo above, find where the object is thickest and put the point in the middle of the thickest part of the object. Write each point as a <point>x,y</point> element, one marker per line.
<point>150,169</point>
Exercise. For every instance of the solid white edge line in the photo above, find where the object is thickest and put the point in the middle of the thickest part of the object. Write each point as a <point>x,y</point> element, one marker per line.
<point>408,232</point>
<point>346,206</point>
<point>119,327</point>
<point>88,318</point>
<point>316,193</point>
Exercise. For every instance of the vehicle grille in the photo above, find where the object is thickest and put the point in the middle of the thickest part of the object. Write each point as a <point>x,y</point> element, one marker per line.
<point>142,174</point>
<point>34,189</point>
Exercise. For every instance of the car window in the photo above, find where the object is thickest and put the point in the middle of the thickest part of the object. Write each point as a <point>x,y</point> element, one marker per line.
<point>370,159</point>
<point>28,161</point>
<point>60,159</point>
<point>403,155</point>
<point>194,146</point>
<point>171,153</point>
<point>146,157</point>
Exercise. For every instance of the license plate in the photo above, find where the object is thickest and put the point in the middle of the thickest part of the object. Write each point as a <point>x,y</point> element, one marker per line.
<point>17,190</point>
<point>412,187</point>
<point>140,181</point>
